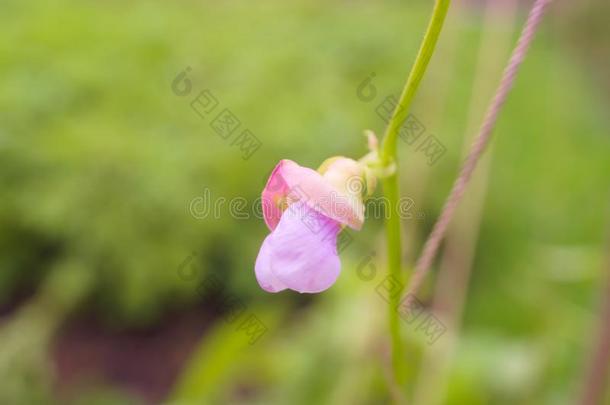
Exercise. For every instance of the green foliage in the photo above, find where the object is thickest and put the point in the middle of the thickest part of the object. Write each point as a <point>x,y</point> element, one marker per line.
<point>99,161</point>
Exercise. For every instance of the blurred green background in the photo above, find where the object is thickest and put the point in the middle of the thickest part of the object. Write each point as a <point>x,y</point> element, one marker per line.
<point>102,259</point>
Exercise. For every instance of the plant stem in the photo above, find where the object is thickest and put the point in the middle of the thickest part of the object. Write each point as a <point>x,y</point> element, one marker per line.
<point>390,189</point>
<point>388,147</point>
<point>390,184</point>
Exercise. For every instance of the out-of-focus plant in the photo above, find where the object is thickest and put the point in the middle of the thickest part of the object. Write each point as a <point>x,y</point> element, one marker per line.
<point>99,161</point>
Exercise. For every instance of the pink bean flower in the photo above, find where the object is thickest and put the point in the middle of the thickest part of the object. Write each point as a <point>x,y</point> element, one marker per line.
<point>305,211</point>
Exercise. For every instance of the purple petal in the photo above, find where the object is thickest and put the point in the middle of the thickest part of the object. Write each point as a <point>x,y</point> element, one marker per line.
<point>301,253</point>
<point>266,279</point>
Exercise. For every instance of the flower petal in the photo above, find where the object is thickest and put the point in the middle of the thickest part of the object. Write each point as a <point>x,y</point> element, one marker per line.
<point>265,277</point>
<point>290,182</point>
<point>303,250</point>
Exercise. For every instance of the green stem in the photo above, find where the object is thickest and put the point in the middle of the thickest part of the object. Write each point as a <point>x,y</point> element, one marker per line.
<point>390,188</point>
<point>390,184</point>
<point>388,147</point>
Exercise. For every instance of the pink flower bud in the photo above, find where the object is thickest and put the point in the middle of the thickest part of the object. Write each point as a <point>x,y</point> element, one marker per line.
<point>305,211</point>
